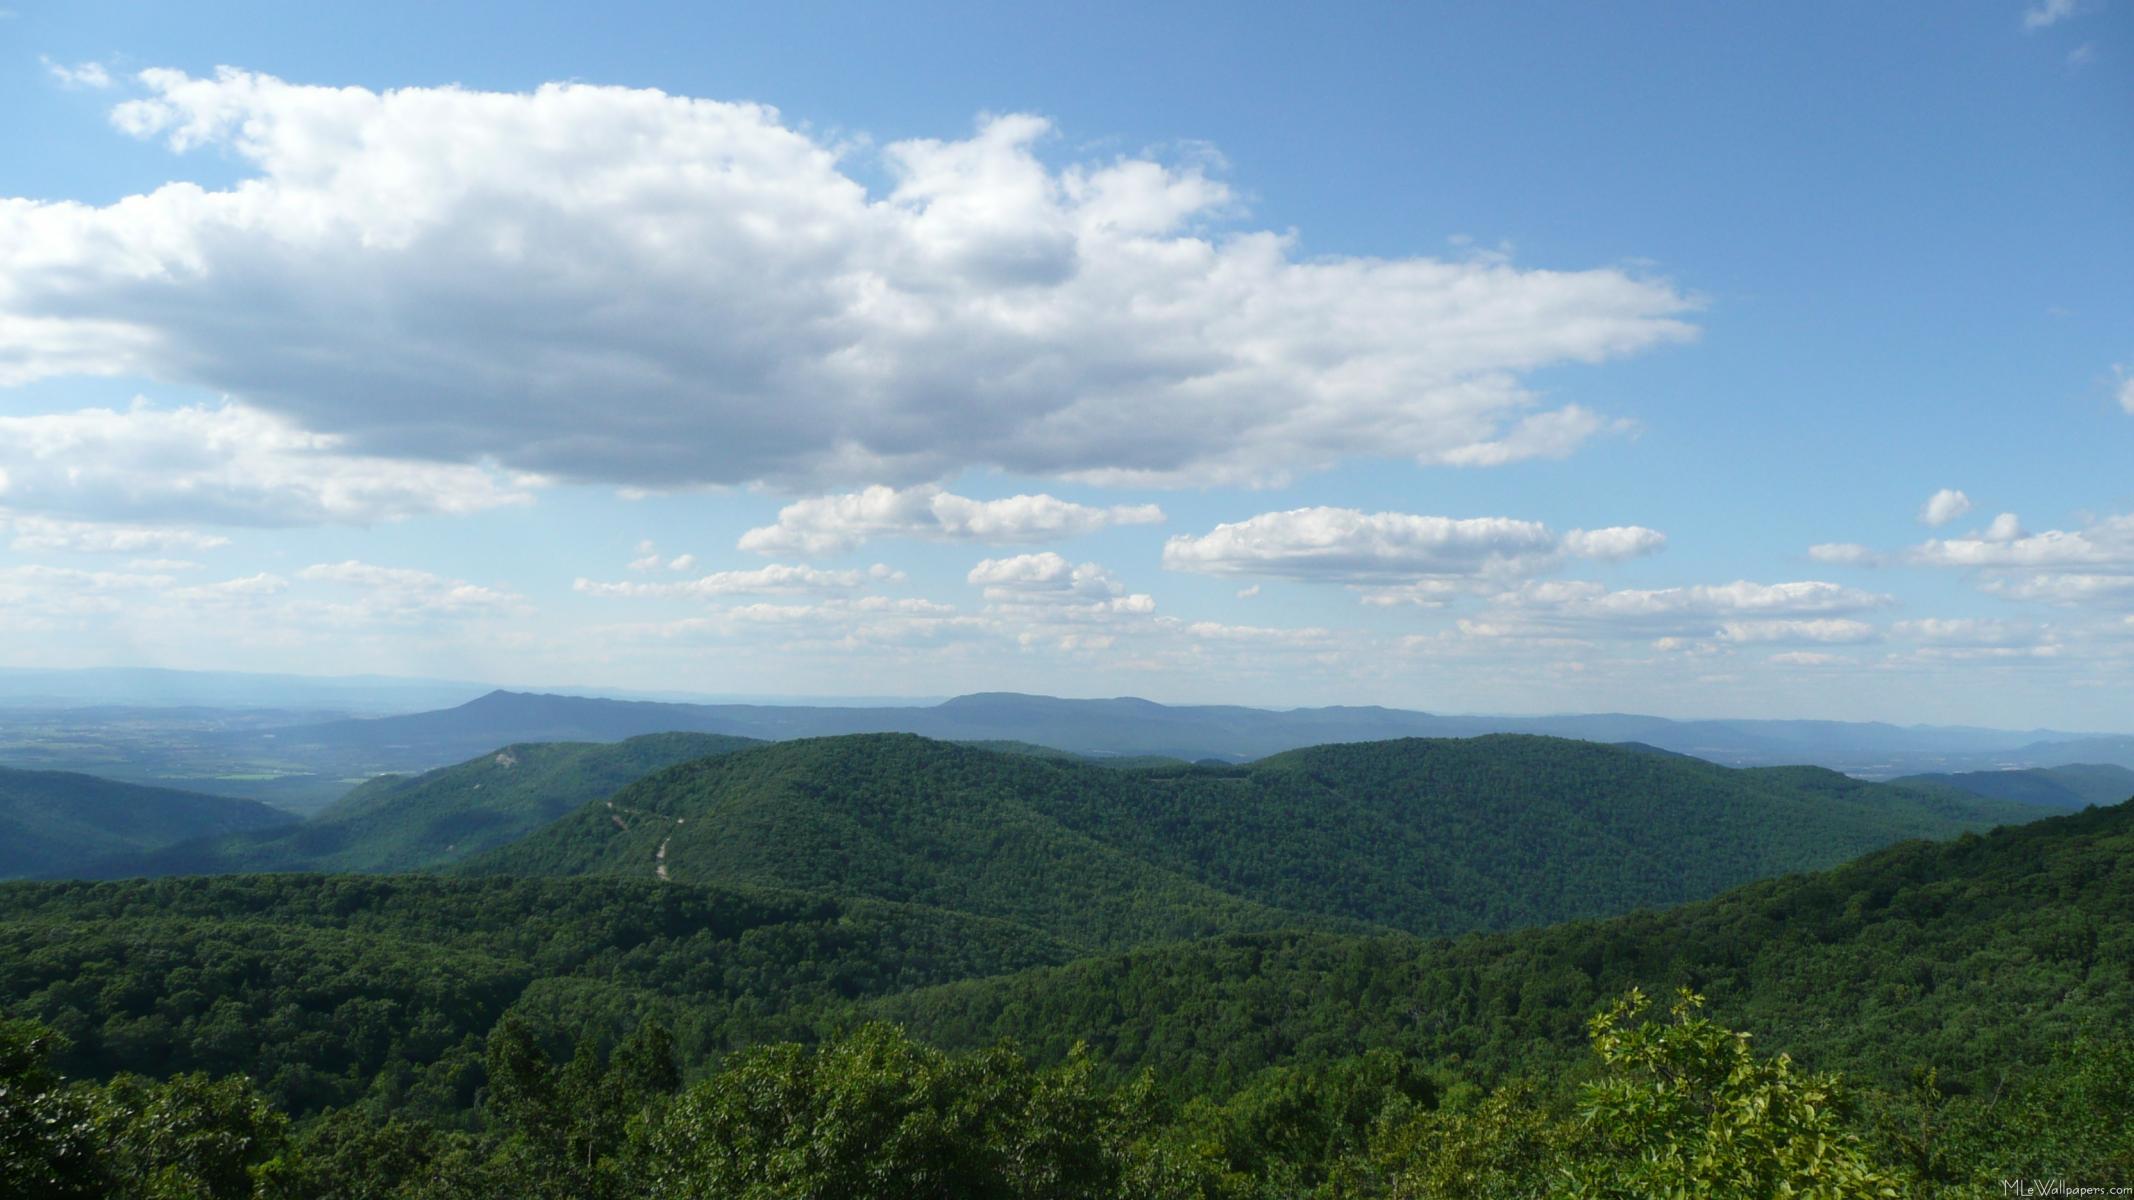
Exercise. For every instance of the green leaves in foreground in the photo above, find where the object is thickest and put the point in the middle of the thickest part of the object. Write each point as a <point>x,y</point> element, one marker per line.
<point>1673,1106</point>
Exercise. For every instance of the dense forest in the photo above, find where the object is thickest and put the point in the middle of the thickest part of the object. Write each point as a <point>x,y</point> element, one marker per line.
<point>833,991</point>
<point>1422,835</point>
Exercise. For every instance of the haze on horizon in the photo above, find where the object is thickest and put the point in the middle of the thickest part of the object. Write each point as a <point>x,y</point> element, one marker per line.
<point>1274,362</point>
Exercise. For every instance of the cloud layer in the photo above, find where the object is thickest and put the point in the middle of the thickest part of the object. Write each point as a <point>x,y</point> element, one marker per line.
<point>830,524</point>
<point>228,465</point>
<point>1350,546</point>
<point>626,286</point>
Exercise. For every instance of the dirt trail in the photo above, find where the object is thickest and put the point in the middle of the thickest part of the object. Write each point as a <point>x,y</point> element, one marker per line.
<point>659,856</point>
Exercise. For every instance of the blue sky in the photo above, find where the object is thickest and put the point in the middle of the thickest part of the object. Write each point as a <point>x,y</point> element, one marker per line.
<point>1474,358</point>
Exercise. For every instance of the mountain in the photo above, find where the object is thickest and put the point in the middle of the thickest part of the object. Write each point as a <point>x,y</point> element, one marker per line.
<point>1431,836</point>
<point>1977,957</point>
<point>2076,785</point>
<point>890,817</point>
<point>57,820</point>
<point>1132,727</point>
<point>324,987</point>
<point>396,823</point>
<point>1974,992</point>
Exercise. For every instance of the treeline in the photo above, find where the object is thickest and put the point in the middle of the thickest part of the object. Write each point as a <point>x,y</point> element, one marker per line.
<point>1673,1105</point>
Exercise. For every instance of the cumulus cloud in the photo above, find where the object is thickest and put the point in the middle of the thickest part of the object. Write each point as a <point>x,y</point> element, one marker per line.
<point>2125,389</point>
<point>627,286</point>
<point>1047,578</point>
<point>1395,550</point>
<point>830,524</point>
<point>1943,507</point>
<point>774,580</point>
<point>2105,543</point>
<point>225,464</point>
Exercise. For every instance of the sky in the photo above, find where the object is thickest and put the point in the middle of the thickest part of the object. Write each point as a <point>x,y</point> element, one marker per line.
<point>1688,360</point>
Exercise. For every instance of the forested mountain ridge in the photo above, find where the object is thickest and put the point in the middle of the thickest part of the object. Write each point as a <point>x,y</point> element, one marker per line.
<point>401,823</point>
<point>1429,836</point>
<point>429,1007</point>
<point>58,820</point>
<point>893,817</point>
<point>328,989</point>
<point>1971,956</point>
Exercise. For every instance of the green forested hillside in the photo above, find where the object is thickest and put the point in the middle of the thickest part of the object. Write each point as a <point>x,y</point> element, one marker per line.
<point>55,821</point>
<point>401,823</point>
<point>1971,956</point>
<point>894,817</point>
<point>1974,992</point>
<point>1424,835</point>
<point>330,989</point>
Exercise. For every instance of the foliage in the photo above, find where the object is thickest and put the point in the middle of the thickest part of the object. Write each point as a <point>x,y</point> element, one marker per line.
<point>329,990</point>
<point>1427,836</point>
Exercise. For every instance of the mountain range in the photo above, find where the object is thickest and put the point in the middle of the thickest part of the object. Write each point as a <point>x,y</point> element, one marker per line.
<point>1129,726</point>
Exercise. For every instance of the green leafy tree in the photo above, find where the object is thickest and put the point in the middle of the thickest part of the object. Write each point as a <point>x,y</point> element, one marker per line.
<point>1687,1109</point>
<point>48,1142</point>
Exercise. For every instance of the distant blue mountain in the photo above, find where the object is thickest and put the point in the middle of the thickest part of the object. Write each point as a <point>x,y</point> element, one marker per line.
<point>1130,726</point>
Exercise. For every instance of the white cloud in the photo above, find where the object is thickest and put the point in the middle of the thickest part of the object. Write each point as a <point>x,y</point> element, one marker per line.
<point>1258,635</point>
<point>2125,389</point>
<point>1844,554</point>
<point>2105,543</point>
<point>774,580</point>
<point>1047,578</point>
<point>1738,611</point>
<point>1969,631</point>
<point>224,465</point>
<point>1821,629</point>
<point>396,593</point>
<point>35,535</point>
<point>831,524</point>
<point>2005,528</point>
<point>651,290</point>
<point>1393,549</point>
<point>2047,13</point>
<point>1944,506</point>
<point>262,584</point>
<point>1615,543</point>
<point>83,75</point>
<point>1808,658</point>
<point>2065,588</point>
